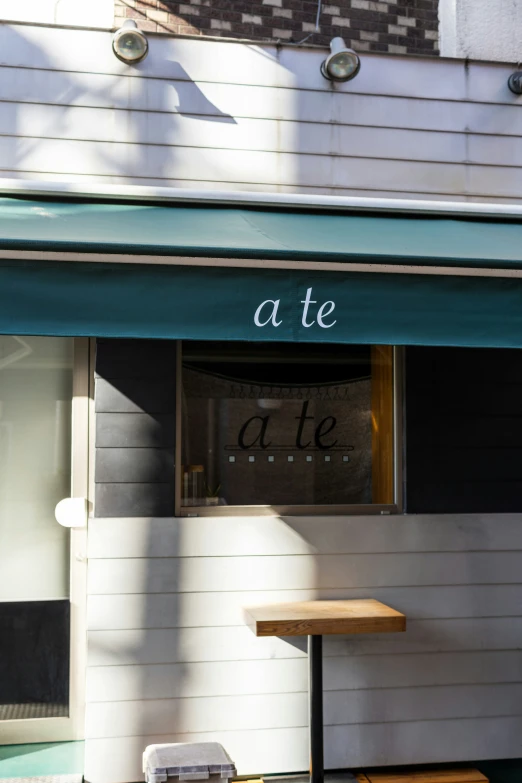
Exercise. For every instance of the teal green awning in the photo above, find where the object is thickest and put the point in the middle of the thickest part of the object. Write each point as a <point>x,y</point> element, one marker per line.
<point>255,233</point>
<point>250,302</point>
<point>123,300</point>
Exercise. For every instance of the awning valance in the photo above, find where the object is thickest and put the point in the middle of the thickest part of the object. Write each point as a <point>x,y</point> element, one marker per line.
<point>72,297</point>
<point>221,304</point>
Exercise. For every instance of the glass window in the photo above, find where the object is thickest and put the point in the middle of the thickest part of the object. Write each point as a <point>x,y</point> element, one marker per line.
<point>286,425</point>
<point>36,375</point>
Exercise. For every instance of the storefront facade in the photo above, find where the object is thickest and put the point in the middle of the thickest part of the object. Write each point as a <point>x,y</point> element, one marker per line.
<point>272,397</point>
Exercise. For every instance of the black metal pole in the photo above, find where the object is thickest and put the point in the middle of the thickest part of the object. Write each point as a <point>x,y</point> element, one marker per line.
<point>315,664</point>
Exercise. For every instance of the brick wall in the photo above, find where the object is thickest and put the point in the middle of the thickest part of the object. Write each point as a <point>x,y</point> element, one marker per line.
<point>395,26</point>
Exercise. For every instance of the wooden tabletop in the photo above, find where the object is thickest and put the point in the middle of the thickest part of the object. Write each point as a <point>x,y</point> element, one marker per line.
<point>312,618</point>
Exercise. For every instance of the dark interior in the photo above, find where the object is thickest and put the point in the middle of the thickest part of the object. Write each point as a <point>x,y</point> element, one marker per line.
<point>34,659</point>
<point>463,430</point>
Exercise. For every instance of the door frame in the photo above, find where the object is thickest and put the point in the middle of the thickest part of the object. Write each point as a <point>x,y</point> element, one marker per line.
<point>17,732</point>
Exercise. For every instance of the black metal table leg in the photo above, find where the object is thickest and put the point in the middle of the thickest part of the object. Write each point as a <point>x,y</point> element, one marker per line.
<point>315,664</point>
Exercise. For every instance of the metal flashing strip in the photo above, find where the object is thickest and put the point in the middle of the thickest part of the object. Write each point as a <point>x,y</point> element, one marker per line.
<point>250,263</point>
<point>76,190</point>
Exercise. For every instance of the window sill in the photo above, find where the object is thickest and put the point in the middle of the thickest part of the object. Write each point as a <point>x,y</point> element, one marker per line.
<point>289,511</point>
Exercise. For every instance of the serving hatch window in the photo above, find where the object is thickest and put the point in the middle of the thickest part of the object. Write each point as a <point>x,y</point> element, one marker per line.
<point>277,424</point>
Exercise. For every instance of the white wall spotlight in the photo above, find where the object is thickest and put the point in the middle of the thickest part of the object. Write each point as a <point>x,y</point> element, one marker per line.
<point>342,64</point>
<point>129,44</point>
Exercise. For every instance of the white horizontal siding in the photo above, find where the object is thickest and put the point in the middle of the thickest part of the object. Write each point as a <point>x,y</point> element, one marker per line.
<point>108,648</point>
<point>193,610</point>
<point>249,167</point>
<point>264,135</point>
<point>222,103</point>
<point>274,750</point>
<point>255,167</point>
<point>356,672</point>
<point>164,130</point>
<point>173,58</point>
<point>212,574</point>
<point>170,656</point>
<point>254,118</point>
<point>289,710</point>
<point>254,536</point>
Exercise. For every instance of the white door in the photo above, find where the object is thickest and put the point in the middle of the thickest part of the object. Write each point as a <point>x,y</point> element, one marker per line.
<point>44,411</point>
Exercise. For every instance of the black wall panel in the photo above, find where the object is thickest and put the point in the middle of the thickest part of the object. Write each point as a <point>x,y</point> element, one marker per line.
<point>463,430</point>
<point>135,427</point>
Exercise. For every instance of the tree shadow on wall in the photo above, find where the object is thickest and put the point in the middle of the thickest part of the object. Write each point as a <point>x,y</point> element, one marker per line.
<point>154,121</point>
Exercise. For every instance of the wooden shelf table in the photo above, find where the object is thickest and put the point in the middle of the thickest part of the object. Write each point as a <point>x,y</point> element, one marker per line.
<point>315,619</point>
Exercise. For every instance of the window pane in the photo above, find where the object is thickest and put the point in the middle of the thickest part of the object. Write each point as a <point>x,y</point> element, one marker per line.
<point>267,424</point>
<point>35,473</point>
<point>35,465</point>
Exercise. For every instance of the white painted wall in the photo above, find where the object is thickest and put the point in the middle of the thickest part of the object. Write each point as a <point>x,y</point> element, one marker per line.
<point>223,115</point>
<point>481,29</point>
<point>170,658</point>
<point>448,28</point>
<point>81,13</point>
